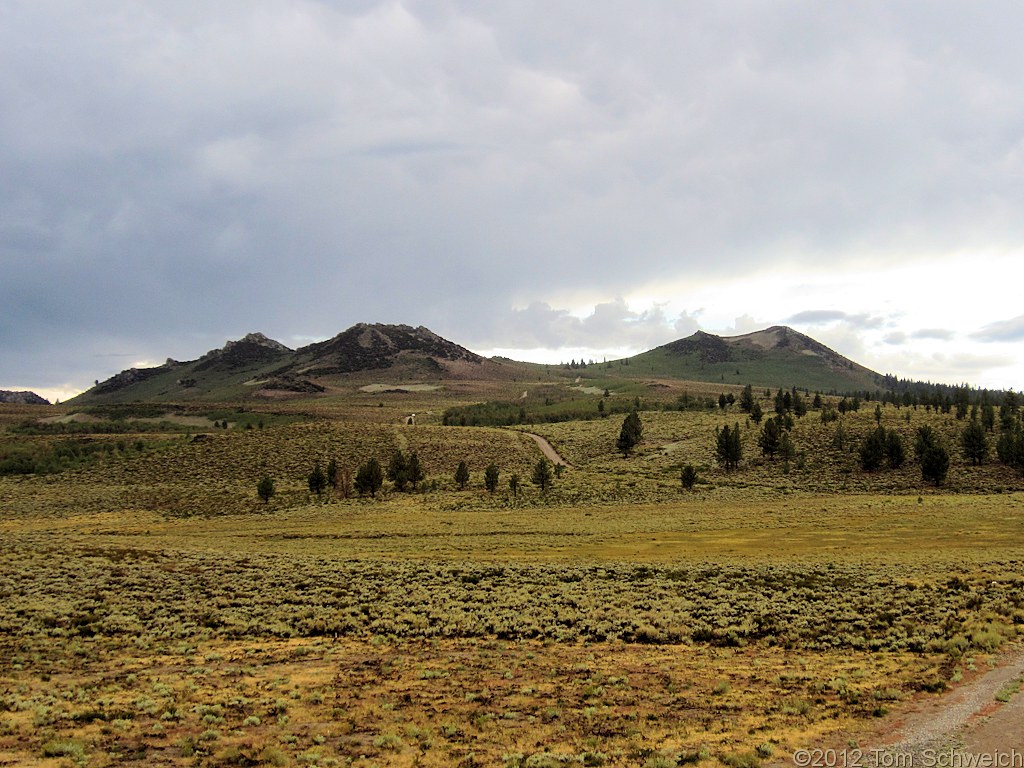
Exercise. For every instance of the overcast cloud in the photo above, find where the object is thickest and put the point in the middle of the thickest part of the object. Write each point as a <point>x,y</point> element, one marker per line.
<point>541,177</point>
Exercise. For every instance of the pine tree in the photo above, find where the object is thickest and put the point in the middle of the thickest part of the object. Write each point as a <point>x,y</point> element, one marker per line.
<point>491,477</point>
<point>398,470</point>
<point>1006,417</point>
<point>756,412</point>
<point>414,470</point>
<point>513,484</point>
<point>974,442</point>
<point>988,417</point>
<point>688,476</point>
<point>935,464</point>
<point>787,451</point>
<point>769,438</point>
<point>894,451</point>
<point>1010,446</point>
<point>747,399</point>
<point>872,450</point>
<point>332,473</point>
<point>542,474</point>
<point>728,447</point>
<point>799,405</point>
<point>369,478</point>
<point>839,437</point>
<point>317,480</point>
<point>925,439</point>
<point>632,433</point>
<point>265,488</point>
<point>462,475</point>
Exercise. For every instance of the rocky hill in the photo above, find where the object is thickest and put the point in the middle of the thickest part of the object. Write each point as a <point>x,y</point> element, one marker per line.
<point>252,350</point>
<point>777,356</point>
<point>257,366</point>
<point>21,398</point>
<point>366,347</point>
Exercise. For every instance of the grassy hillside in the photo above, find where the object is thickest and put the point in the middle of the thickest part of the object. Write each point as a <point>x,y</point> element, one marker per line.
<point>776,357</point>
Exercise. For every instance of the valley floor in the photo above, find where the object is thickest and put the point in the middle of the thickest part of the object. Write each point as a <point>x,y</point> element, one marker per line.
<point>393,634</point>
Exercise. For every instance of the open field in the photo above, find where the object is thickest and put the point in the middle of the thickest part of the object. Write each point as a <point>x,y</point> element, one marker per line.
<point>154,612</point>
<point>412,637</point>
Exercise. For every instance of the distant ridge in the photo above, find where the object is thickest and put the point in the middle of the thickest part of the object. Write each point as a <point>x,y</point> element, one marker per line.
<point>258,366</point>
<point>21,398</point>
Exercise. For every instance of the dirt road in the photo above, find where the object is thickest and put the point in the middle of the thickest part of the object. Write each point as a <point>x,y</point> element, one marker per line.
<point>967,726</point>
<point>548,450</point>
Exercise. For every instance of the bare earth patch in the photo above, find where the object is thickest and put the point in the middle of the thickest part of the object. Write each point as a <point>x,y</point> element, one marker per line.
<point>378,388</point>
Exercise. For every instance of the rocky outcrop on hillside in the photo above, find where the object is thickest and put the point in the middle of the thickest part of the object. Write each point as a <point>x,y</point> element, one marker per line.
<point>710,348</point>
<point>22,398</point>
<point>366,347</point>
<point>252,350</point>
<point>289,384</point>
<point>128,378</point>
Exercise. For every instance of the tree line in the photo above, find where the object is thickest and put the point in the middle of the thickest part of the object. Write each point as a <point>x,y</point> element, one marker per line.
<point>880,448</point>
<point>406,475</point>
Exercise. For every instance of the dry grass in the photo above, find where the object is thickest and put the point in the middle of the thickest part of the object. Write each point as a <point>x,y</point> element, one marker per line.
<point>153,611</point>
<point>443,703</point>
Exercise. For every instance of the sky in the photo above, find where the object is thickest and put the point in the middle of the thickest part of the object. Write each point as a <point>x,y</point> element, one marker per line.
<point>544,180</point>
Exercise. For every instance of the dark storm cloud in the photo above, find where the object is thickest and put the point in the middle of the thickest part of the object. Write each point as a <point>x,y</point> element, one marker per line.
<point>174,174</point>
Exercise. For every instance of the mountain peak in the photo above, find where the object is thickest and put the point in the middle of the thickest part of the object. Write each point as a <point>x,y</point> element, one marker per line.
<point>258,339</point>
<point>253,349</point>
<point>777,355</point>
<point>369,346</point>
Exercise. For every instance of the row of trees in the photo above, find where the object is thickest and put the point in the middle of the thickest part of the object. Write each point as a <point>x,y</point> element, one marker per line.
<point>405,475</point>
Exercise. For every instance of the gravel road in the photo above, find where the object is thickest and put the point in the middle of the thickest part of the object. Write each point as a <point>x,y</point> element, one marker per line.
<point>964,724</point>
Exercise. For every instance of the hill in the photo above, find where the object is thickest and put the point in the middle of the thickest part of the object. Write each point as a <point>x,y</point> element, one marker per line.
<point>775,357</point>
<point>21,398</point>
<point>257,366</point>
<point>385,355</point>
<point>374,347</point>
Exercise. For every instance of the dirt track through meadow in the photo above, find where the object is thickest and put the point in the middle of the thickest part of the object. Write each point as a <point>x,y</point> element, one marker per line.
<point>969,720</point>
<point>548,450</point>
